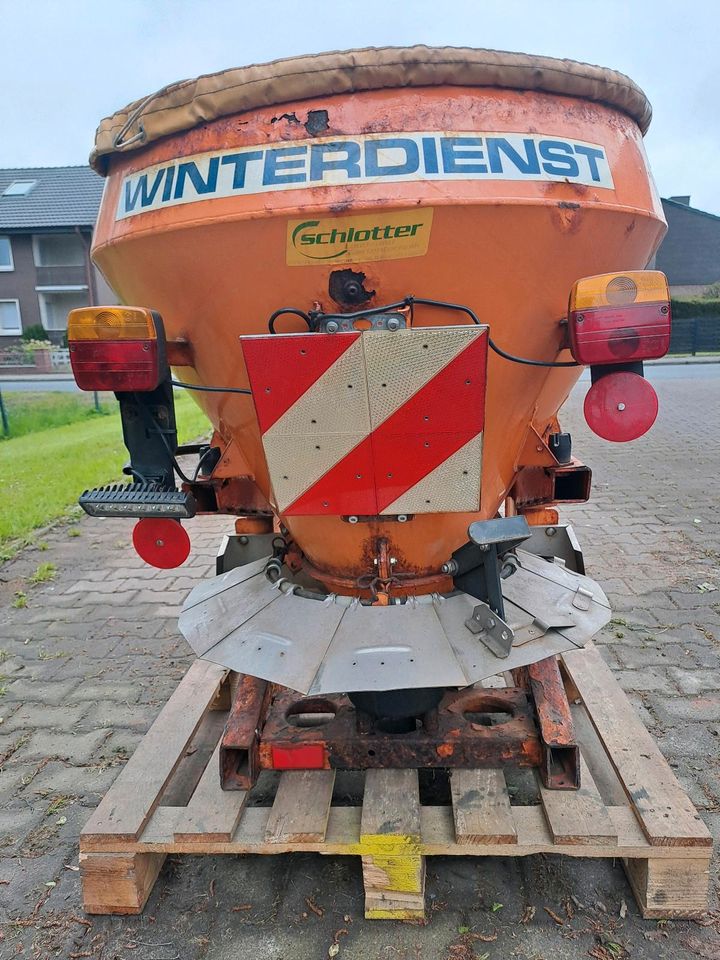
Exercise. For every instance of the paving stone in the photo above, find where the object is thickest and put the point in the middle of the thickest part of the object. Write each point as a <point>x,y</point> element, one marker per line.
<point>688,740</point>
<point>695,681</point>
<point>651,678</point>
<point>78,747</point>
<point>48,692</point>
<point>111,716</point>
<point>12,776</point>
<point>16,822</point>
<point>115,692</point>
<point>692,709</point>
<point>88,783</point>
<point>636,656</point>
<point>705,654</point>
<point>37,715</point>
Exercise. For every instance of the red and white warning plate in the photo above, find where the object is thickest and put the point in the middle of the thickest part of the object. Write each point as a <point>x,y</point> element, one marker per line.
<point>382,422</point>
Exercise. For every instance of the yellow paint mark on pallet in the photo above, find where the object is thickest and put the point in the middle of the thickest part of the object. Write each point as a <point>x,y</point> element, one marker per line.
<point>387,845</point>
<point>377,914</point>
<point>394,874</point>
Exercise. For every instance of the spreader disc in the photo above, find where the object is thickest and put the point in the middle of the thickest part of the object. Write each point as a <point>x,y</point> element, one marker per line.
<point>621,406</point>
<point>161,542</point>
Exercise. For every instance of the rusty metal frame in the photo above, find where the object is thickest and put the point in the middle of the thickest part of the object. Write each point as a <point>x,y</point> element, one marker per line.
<point>274,728</point>
<point>560,767</point>
<point>239,766</point>
<point>446,736</point>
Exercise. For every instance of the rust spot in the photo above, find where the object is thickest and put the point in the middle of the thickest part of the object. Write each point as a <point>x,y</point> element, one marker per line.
<point>445,749</point>
<point>341,206</point>
<point>567,217</point>
<point>317,122</point>
<point>290,117</point>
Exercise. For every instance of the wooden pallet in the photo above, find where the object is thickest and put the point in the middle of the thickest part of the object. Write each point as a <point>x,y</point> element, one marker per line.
<point>167,799</point>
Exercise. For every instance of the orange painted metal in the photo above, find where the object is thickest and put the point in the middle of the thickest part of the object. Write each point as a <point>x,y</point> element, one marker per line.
<point>216,269</point>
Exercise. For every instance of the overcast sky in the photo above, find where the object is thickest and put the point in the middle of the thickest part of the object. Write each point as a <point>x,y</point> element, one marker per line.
<point>65,64</point>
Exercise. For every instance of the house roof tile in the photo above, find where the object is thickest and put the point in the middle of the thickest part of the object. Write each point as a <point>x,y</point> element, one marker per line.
<point>61,197</point>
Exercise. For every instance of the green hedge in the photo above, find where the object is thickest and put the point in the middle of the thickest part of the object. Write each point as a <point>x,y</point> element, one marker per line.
<point>695,308</point>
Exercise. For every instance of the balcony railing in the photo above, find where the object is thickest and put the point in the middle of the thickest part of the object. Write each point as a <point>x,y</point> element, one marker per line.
<point>61,276</point>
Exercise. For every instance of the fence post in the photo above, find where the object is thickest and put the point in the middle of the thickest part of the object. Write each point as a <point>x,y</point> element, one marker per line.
<point>696,323</point>
<point>3,414</point>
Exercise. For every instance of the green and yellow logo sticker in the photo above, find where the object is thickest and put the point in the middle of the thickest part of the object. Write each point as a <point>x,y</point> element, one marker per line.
<point>376,236</point>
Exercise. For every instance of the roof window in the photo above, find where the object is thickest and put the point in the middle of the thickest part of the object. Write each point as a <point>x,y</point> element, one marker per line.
<point>19,188</point>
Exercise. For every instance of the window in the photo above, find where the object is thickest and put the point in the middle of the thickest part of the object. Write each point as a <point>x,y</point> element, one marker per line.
<point>6,257</point>
<point>19,188</point>
<point>55,306</point>
<point>10,324</point>
<point>59,250</point>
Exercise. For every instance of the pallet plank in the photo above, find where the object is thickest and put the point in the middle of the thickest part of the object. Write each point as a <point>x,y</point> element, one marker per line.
<point>212,813</point>
<point>302,806</point>
<point>118,883</point>
<point>390,839</point>
<point>130,801</point>
<point>578,816</point>
<point>670,888</point>
<point>391,804</point>
<point>665,811</point>
<point>481,807</point>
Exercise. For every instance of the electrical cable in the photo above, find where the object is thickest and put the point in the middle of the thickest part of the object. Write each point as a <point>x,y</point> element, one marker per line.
<point>153,428</point>
<point>202,389</point>
<point>201,460</point>
<point>314,315</point>
<point>294,312</point>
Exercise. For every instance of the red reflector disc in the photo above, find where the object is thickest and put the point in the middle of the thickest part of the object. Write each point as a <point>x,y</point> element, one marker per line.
<point>310,756</point>
<point>621,406</point>
<point>161,543</point>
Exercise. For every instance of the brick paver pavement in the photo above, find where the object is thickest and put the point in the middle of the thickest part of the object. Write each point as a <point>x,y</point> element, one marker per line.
<point>88,663</point>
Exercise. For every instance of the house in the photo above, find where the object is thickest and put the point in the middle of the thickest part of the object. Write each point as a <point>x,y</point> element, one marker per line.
<point>47,215</point>
<point>690,253</point>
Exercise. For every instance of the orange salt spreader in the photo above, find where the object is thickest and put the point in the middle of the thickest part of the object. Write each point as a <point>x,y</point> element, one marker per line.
<point>380,273</point>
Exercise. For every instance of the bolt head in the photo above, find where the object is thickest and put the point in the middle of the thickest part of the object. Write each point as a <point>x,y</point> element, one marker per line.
<point>332,326</point>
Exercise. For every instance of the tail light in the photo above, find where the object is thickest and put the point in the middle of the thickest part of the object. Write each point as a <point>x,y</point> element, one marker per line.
<point>620,318</point>
<point>117,348</point>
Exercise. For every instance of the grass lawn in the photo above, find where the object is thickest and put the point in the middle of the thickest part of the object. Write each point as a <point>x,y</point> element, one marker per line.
<point>43,473</point>
<point>32,412</point>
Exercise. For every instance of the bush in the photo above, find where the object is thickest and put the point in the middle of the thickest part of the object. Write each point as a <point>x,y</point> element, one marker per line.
<point>695,308</point>
<point>36,332</point>
<point>30,346</point>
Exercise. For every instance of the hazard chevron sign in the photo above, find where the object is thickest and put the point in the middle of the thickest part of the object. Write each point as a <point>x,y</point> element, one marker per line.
<point>381,422</point>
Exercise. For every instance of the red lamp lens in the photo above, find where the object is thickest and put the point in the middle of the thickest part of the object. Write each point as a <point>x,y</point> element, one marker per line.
<point>621,406</point>
<point>161,543</point>
<point>118,365</point>
<point>620,334</point>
